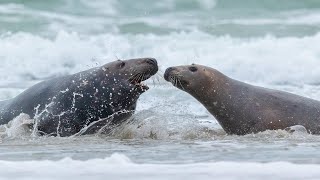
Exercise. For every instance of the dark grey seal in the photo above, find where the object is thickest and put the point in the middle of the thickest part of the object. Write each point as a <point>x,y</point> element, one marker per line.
<point>100,97</point>
<point>242,108</point>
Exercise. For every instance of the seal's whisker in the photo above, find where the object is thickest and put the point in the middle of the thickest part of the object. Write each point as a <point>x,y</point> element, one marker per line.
<point>134,77</point>
<point>175,81</point>
<point>141,77</point>
<point>171,79</point>
<point>181,84</point>
<point>137,78</point>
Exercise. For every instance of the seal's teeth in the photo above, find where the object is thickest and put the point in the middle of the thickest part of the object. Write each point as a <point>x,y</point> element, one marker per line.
<point>142,88</point>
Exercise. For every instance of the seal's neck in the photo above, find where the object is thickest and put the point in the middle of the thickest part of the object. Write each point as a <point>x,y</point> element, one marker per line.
<point>213,91</point>
<point>216,96</point>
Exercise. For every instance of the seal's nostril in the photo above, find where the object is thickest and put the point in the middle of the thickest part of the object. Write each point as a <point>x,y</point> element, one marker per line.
<point>152,61</point>
<point>169,69</point>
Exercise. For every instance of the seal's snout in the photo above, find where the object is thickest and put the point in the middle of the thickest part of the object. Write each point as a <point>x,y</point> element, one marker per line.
<point>167,73</point>
<point>152,61</point>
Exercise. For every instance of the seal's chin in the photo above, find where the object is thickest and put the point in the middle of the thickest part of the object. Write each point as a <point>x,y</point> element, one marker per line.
<point>142,87</point>
<point>137,82</point>
<point>177,81</point>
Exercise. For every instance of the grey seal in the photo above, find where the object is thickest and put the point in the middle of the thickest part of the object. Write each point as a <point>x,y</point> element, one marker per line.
<point>100,97</point>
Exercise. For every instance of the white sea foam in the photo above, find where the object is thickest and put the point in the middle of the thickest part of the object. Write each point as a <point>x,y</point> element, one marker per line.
<point>121,167</point>
<point>18,127</point>
<point>269,60</point>
<point>172,4</point>
<point>291,18</point>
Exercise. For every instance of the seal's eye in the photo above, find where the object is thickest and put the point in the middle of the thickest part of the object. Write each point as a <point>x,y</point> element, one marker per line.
<point>193,69</point>
<point>122,64</point>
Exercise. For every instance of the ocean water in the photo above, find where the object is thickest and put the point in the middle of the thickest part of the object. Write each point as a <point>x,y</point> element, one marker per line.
<point>270,43</point>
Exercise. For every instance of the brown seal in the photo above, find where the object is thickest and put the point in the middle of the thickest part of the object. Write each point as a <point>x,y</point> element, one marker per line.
<point>242,108</point>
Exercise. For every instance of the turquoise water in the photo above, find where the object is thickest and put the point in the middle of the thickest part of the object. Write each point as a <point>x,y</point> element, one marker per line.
<point>269,43</point>
<point>245,18</point>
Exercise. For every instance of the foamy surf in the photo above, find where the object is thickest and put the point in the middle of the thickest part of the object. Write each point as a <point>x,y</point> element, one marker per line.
<point>145,124</point>
<point>20,126</point>
<point>243,59</point>
<point>119,166</point>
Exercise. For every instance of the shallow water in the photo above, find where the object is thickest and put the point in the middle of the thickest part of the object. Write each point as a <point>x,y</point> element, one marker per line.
<point>267,43</point>
<point>265,147</point>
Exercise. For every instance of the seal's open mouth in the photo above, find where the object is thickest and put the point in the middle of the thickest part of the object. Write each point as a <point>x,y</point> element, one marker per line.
<point>137,80</point>
<point>148,67</point>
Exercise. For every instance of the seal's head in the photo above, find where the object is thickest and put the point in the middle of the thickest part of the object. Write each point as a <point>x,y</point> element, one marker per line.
<point>188,77</point>
<point>112,88</point>
<point>197,80</point>
<point>132,72</point>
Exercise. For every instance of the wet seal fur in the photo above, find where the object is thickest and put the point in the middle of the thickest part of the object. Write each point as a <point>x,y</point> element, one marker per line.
<point>242,108</point>
<point>90,100</point>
